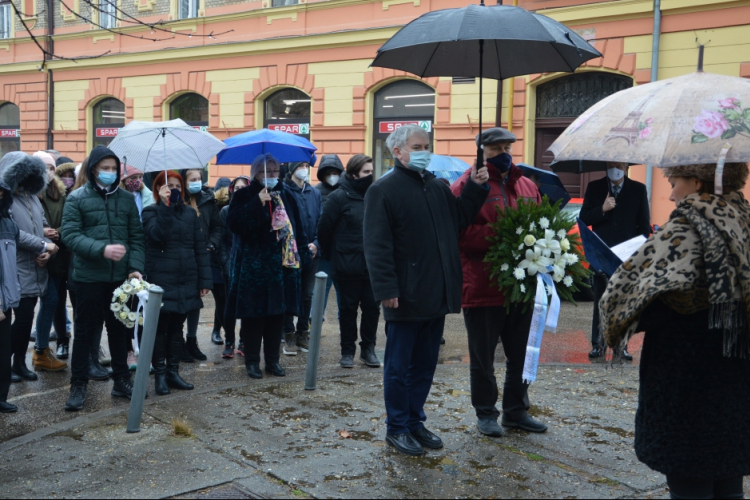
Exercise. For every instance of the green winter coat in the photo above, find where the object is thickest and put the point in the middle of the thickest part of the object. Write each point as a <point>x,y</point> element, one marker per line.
<point>93,219</point>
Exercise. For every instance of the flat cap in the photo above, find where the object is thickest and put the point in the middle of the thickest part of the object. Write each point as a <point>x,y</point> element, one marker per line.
<point>496,134</point>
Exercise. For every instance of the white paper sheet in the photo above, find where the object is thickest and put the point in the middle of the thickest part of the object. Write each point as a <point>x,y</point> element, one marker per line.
<point>626,249</point>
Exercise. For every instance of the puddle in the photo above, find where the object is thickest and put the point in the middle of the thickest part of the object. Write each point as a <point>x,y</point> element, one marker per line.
<point>257,458</point>
<point>480,467</point>
<point>541,411</point>
<point>362,436</point>
<point>344,477</point>
<point>72,434</point>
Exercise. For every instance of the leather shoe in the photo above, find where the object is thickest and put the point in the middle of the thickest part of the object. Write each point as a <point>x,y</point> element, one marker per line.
<point>63,351</point>
<point>526,423</point>
<point>276,370</point>
<point>98,373</point>
<point>427,439</point>
<point>489,427</point>
<point>15,379</point>
<point>7,407</point>
<point>595,353</point>
<point>406,444</point>
<point>23,371</point>
<point>627,356</point>
<point>253,371</point>
<point>216,337</point>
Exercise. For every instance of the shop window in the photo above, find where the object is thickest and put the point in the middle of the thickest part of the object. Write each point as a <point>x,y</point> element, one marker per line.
<point>407,102</point>
<point>6,18</point>
<point>288,110</point>
<point>109,118</point>
<point>10,128</point>
<point>188,8</point>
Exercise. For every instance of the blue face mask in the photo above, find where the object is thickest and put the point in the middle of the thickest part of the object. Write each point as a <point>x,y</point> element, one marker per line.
<point>501,162</point>
<point>106,178</point>
<point>419,160</point>
<point>195,187</point>
<point>271,182</point>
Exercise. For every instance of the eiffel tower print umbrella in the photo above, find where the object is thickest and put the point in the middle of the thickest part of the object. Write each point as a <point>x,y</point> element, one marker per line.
<point>687,120</point>
<point>494,42</point>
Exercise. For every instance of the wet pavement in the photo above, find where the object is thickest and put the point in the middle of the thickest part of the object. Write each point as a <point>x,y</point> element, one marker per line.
<point>271,438</point>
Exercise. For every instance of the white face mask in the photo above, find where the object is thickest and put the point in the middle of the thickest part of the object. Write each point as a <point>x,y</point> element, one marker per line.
<point>301,174</point>
<point>615,174</point>
<point>332,180</point>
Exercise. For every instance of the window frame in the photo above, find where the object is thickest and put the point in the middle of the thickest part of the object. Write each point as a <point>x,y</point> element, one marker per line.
<point>6,30</point>
<point>193,6</point>
<point>107,14</point>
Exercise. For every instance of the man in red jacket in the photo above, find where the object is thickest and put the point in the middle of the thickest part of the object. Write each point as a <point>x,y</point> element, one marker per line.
<point>484,308</point>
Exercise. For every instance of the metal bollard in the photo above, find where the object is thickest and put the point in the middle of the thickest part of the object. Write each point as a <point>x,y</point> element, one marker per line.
<point>318,305</point>
<point>151,319</point>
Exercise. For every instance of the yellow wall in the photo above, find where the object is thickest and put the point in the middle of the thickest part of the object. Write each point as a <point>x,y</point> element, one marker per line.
<point>231,85</point>
<point>339,79</point>
<point>143,89</point>
<point>465,101</point>
<point>67,97</point>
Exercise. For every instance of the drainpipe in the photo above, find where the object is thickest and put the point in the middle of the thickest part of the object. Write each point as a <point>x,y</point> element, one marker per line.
<point>50,77</point>
<point>654,77</point>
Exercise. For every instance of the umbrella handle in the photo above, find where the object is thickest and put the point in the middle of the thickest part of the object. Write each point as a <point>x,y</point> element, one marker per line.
<point>480,153</point>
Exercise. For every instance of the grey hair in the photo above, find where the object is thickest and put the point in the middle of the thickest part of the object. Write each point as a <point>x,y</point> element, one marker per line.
<point>401,135</point>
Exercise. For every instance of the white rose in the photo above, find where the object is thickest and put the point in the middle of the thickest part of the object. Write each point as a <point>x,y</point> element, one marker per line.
<point>561,234</point>
<point>132,316</point>
<point>565,244</point>
<point>135,282</point>
<point>130,324</point>
<point>504,267</point>
<point>519,273</point>
<point>544,222</point>
<point>123,297</point>
<point>568,281</point>
<point>123,315</point>
<point>529,240</point>
<point>140,320</point>
<point>127,288</point>
<point>558,277</point>
<point>115,307</point>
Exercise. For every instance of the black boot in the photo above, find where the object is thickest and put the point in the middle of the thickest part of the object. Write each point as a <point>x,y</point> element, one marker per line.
<point>216,337</point>
<point>159,363</point>
<point>192,348</point>
<point>173,366</point>
<point>96,370</point>
<point>185,356</point>
<point>20,369</point>
<point>275,369</point>
<point>253,370</point>
<point>63,348</point>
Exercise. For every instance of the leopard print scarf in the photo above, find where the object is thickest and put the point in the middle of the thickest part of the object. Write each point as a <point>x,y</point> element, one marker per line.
<point>699,260</point>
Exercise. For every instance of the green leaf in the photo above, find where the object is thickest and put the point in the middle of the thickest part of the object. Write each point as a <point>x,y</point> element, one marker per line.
<point>746,114</point>
<point>732,114</point>
<point>698,138</point>
<point>729,133</point>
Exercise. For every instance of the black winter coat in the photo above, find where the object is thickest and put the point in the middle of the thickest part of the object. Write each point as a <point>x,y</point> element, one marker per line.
<point>176,256</point>
<point>693,402</point>
<point>259,285</point>
<point>630,218</point>
<point>211,224</point>
<point>340,233</point>
<point>411,231</point>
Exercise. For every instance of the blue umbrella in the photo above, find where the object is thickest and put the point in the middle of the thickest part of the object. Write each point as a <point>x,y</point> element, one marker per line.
<point>550,184</point>
<point>242,149</point>
<point>445,167</point>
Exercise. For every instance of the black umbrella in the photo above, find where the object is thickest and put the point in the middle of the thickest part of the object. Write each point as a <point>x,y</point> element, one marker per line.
<point>549,184</point>
<point>497,42</point>
<point>578,166</point>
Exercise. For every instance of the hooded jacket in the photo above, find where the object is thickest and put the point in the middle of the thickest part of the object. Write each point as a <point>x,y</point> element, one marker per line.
<point>329,164</point>
<point>26,177</point>
<point>10,286</point>
<point>310,203</point>
<point>53,202</point>
<point>95,217</point>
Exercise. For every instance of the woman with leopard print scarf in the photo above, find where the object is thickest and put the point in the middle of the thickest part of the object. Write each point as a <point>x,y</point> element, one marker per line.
<point>688,288</point>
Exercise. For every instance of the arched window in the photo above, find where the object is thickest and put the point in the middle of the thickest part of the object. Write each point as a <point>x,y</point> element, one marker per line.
<point>192,108</point>
<point>10,128</point>
<point>109,118</point>
<point>397,104</point>
<point>288,110</point>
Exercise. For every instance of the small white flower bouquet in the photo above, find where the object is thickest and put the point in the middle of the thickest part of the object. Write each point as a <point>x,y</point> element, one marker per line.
<point>534,239</point>
<point>120,298</point>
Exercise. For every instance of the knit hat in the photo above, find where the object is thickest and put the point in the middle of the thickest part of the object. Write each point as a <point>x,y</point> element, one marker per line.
<point>129,170</point>
<point>46,158</point>
<point>293,166</point>
<point>63,159</point>
<point>734,179</point>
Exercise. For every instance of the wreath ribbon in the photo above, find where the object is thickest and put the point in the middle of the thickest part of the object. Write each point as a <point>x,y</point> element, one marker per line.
<point>545,318</point>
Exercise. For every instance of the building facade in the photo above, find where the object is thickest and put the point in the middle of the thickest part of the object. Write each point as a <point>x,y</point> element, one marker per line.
<point>303,66</point>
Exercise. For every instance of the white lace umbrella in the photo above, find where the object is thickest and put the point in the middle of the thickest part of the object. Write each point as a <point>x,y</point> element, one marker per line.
<point>158,146</point>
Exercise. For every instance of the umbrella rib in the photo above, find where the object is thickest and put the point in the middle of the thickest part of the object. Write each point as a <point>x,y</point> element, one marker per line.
<point>424,70</point>
<point>198,158</point>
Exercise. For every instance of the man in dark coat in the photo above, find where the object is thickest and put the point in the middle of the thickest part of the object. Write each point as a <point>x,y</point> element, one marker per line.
<point>411,228</point>
<point>617,209</point>
<point>310,205</point>
<point>103,231</point>
<point>330,171</point>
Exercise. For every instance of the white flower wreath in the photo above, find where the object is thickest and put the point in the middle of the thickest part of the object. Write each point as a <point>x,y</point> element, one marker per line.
<point>120,297</point>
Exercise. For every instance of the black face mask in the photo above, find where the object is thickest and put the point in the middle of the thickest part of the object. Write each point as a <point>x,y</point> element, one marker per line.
<point>501,162</point>
<point>362,185</point>
<point>175,196</point>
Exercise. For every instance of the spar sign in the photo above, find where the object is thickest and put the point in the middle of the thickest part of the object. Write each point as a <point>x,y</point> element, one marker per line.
<point>388,127</point>
<point>292,128</point>
<point>107,132</point>
<point>10,133</point>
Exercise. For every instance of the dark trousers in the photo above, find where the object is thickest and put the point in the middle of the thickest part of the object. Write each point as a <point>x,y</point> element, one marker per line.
<point>688,488</point>
<point>485,325</point>
<point>308,286</point>
<point>411,355</point>
<point>220,318</point>
<point>20,330</point>
<point>92,310</point>
<point>168,341</point>
<point>5,354</point>
<point>266,330</point>
<point>600,286</point>
<point>61,310</point>
<point>356,294</point>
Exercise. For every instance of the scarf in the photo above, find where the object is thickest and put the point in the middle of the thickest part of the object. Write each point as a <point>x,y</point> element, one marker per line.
<point>699,260</point>
<point>283,226</point>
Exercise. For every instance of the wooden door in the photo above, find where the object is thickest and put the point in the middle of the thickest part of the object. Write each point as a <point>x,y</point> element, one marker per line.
<point>575,184</point>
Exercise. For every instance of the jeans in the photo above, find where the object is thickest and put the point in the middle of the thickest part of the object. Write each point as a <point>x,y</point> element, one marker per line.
<point>266,330</point>
<point>5,355</point>
<point>485,326</point>
<point>308,287</point>
<point>688,488</point>
<point>324,266</point>
<point>21,329</point>
<point>411,355</point>
<point>193,317</point>
<point>356,294</point>
<point>92,310</point>
<point>46,315</point>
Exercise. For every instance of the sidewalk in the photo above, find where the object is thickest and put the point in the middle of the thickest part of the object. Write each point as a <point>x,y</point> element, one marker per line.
<point>273,439</point>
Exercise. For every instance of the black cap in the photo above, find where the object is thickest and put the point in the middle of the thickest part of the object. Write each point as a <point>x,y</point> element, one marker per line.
<point>63,159</point>
<point>494,135</point>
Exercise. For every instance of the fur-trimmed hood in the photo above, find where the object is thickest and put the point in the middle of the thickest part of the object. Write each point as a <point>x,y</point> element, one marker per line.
<point>55,189</point>
<point>64,168</point>
<point>222,196</point>
<point>21,171</point>
<point>7,199</point>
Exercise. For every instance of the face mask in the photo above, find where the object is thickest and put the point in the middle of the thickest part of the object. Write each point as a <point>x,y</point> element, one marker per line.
<point>133,185</point>
<point>107,178</point>
<point>271,182</point>
<point>301,174</point>
<point>174,196</point>
<point>419,160</point>
<point>615,174</point>
<point>332,180</point>
<point>501,162</point>
<point>68,182</point>
<point>195,187</point>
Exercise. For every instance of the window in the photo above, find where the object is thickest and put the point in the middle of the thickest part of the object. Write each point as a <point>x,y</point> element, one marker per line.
<point>288,110</point>
<point>188,8</point>
<point>192,108</point>
<point>109,118</point>
<point>570,96</point>
<point>284,3</point>
<point>6,18</point>
<point>10,125</point>
<point>107,14</point>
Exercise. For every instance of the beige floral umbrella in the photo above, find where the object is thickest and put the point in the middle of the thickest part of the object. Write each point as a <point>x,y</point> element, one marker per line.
<point>691,119</point>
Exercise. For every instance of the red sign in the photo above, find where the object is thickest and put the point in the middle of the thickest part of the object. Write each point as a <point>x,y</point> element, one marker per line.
<point>9,133</point>
<point>107,132</point>
<point>388,127</point>
<point>291,128</point>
